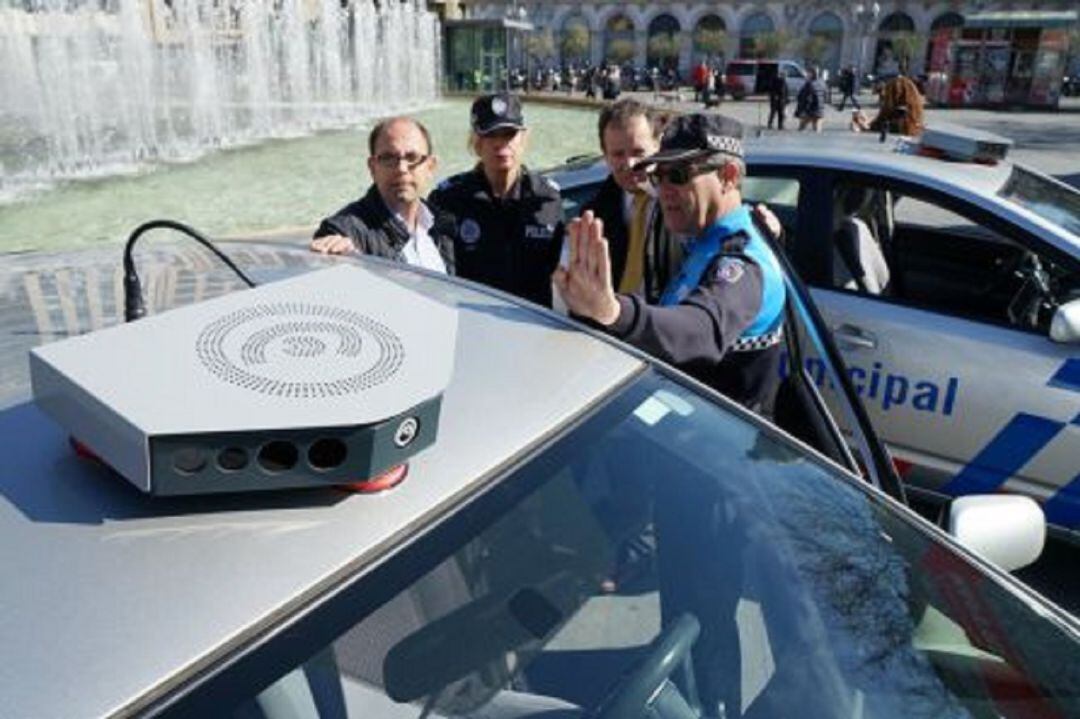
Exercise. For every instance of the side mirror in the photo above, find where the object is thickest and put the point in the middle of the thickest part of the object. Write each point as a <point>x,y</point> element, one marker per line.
<point>1008,530</point>
<point>1065,325</point>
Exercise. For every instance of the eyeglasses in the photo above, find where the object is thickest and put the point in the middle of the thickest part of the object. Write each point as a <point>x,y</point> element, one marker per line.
<point>391,161</point>
<point>677,174</point>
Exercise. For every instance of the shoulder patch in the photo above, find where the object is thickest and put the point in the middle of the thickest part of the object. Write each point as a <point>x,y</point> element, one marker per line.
<point>730,270</point>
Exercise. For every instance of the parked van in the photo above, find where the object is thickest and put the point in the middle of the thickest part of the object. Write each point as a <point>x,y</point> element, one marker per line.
<point>753,77</point>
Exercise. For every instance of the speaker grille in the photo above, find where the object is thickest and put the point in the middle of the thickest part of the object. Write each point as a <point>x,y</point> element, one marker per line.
<point>294,349</point>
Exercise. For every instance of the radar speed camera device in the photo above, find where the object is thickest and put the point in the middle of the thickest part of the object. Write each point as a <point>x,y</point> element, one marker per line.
<point>333,377</point>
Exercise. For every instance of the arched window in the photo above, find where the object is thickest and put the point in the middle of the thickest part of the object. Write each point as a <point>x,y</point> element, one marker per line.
<point>894,46</point>
<point>754,27</point>
<point>664,42</point>
<point>897,22</point>
<point>947,20</point>
<point>575,40</point>
<point>824,39</point>
<point>710,38</point>
<point>619,39</point>
<point>950,23</point>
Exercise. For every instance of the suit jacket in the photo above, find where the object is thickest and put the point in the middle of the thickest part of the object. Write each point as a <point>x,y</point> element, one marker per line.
<point>663,253</point>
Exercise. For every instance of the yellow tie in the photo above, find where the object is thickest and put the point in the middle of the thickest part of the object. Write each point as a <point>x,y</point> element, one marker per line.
<point>634,272</point>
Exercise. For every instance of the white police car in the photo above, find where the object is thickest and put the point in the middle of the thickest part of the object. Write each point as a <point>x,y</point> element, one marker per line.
<point>591,534</point>
<point>962,332</point>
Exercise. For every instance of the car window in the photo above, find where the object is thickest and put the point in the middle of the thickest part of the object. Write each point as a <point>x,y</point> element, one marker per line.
<point>915,250</point>
<point>574,198</point>
<point>1052,201</point>
<point>666,529</point>
<point>781,194</point>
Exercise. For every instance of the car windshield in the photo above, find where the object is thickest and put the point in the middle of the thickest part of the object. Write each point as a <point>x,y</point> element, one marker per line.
<point>667,536</point>
<point>1050,200</point>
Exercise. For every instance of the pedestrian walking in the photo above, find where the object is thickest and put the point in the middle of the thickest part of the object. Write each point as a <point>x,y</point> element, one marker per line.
<point>778,100</point>
<point>810,104</point>
<point>848,89</point>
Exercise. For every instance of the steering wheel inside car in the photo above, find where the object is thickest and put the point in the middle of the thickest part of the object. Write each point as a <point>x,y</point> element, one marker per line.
<point>646,690</point>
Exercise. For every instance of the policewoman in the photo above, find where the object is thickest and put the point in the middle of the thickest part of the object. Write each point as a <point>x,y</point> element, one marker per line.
<point>720,318</point>
<point>509,220</point>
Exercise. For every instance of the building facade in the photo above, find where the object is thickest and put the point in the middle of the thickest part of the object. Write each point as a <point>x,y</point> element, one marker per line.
<point>872,36</point>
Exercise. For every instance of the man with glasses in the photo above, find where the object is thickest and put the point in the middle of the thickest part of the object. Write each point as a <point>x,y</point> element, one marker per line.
<point>509,220</point>
<point>721,318</point>
<point>392,220</point>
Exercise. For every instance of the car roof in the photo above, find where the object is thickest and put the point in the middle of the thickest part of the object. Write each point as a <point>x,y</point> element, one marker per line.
<point>896,158</point>
<point>113,597</point>
<point>864,152</point>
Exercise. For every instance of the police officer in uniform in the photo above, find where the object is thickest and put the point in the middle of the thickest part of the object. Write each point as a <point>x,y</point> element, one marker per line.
<point>509,220</point>
<point>720,319</point>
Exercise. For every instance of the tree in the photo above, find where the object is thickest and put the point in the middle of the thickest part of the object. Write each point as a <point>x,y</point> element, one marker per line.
<point>904,47</point>
<point>541,44</point>
<point>663,47</point>
<point>575,43</point>
<point>771,44</point>
<point>620,51</point>
<point>710,41</point>
<point>814,49</point>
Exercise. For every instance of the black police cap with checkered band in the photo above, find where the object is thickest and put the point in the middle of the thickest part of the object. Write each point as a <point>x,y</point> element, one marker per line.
<point>693,137</point>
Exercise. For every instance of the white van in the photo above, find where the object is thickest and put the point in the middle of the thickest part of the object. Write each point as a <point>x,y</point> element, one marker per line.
<point>753,77</point>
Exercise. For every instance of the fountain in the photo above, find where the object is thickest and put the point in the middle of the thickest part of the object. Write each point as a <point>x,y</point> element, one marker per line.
<point>89,92</point>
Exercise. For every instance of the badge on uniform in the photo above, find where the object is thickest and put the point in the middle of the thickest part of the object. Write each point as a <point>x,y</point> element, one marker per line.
<point>539,232</point>
<point>470,231</point>
<point>730,270</point>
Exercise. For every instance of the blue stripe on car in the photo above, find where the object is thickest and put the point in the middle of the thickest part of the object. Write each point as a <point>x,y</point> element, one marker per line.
<point>1067,376</point>
<point>1013,447</point>
<point>1063,509</point>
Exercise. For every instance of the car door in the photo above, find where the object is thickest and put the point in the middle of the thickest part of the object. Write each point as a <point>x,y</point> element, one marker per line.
<point>969,397</point>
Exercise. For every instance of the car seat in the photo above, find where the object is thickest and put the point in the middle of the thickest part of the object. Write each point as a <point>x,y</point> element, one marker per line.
<point>859,260</point>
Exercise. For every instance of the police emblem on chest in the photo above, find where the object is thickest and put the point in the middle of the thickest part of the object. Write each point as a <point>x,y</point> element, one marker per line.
<point>539,232</point>
<point>470,232</point>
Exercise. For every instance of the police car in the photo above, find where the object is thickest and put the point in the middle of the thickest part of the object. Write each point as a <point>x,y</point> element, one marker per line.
<point>950,278</point>
<point>590,533</point>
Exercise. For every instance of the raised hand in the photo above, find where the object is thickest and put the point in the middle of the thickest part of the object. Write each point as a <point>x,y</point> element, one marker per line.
<point>584,282</point>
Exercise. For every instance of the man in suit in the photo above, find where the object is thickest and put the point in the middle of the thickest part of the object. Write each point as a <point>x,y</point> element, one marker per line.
<point>644,255</point>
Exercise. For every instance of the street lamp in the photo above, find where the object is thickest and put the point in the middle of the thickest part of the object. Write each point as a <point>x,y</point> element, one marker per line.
<point>866,17</point>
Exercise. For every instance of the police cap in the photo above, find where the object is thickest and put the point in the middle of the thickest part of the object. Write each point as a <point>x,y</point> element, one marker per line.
<point>693,137</point>
<point>495,112</point>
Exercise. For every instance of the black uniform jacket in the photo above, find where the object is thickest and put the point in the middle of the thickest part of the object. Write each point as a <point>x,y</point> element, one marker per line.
<point>375,230</point>
<point>662,253</point>
<point>697,334</point>
<point>510,243</point>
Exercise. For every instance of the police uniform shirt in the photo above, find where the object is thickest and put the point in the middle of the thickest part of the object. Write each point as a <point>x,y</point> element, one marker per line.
<point>510,243</point>
<point>699,332</point>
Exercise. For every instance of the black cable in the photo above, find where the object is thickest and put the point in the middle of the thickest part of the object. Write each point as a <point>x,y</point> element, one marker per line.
<point>134,305</point>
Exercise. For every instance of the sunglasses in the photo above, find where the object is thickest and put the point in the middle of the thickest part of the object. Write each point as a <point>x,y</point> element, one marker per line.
<point>391,161</point>
<point>677,175</point>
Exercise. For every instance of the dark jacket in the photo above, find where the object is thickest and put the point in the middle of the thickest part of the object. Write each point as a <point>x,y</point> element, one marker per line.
<point>511,243</point>
<point>662,252</point>
<point>779,94</point>
<point>375,230</point>
<point>703,334</point>
<point>847,82</point>
<point>811,100</point>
